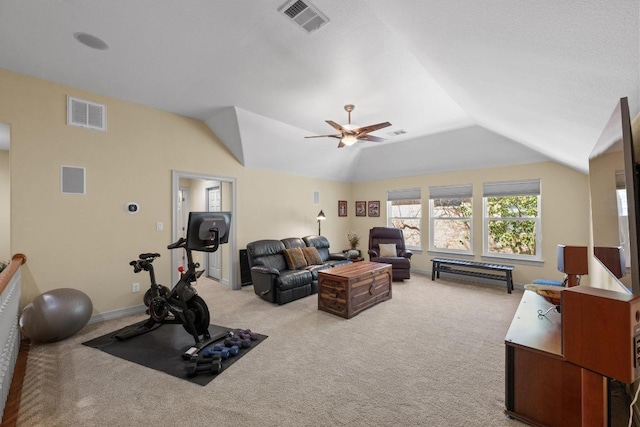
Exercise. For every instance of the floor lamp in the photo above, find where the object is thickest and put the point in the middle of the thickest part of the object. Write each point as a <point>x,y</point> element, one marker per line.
<point>320,217</point>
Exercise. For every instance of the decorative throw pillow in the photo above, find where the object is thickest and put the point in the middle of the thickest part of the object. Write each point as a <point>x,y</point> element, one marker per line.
<point>295,258</point>
<point>312,255</point>
<point>388,250</point>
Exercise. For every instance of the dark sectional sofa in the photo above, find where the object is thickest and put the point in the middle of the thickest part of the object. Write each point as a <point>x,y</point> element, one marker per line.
<point>280,276</point>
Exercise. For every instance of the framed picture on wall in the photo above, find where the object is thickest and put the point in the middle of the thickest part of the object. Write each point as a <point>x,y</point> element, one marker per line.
<point>342,208</point>
<point>361,208</point>
<point>374,208</point>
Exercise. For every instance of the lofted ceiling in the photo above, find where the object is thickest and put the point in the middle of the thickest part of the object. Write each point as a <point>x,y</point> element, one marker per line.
<point>471,83</point>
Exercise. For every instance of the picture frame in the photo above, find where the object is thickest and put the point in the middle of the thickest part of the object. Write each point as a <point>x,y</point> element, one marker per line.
<point>361,208</point>
<point>374,208</point>
<point>342,208</point>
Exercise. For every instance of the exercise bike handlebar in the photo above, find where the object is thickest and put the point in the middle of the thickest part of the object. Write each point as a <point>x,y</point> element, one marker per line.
<point>179,244</point>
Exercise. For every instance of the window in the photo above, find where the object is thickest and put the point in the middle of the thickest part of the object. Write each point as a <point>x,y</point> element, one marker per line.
<point>623,215</point>
<point>450,222</point>
<point>512,226</point>
<point>404,209</point>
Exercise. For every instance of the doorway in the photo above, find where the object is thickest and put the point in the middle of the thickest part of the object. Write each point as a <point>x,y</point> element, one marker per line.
<point>184,207</point>
<point>214,204</point>
<point>198,186</point>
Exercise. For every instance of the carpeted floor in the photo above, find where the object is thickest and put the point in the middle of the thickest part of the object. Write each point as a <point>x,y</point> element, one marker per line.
<point>433,355</point>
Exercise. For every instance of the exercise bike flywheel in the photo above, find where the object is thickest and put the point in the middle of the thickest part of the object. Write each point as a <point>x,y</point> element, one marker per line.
<point>148,296</point>
<point>158,309</point>
<point>200,312</point>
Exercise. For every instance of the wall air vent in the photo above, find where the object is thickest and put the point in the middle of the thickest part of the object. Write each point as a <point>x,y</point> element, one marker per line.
<point>72,180</point>
<point>304,14</point>
<point>86,114</point>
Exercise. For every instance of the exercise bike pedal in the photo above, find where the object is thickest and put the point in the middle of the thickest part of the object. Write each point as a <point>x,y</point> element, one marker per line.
<point>134,331</point>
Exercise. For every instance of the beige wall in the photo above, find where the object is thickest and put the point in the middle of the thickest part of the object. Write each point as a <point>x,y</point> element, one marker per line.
<point>86,242</point>
<point>565,211</point>
<point>5,204</point>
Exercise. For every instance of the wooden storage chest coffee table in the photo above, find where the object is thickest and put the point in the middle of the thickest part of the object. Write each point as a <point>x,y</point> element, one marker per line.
<point>349,289</point>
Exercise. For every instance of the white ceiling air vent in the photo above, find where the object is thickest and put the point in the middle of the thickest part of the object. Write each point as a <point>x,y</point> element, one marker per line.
<point>304,14</point>
<point>397,132</point>
<point>86,114</point>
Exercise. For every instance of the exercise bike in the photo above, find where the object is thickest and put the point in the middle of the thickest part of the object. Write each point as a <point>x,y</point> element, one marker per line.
<point>180,305</point>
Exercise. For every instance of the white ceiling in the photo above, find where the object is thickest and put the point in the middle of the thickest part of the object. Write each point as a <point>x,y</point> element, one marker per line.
<point>473,83</point>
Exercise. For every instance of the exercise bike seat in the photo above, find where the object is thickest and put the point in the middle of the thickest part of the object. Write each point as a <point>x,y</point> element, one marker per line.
<point>149,256</point>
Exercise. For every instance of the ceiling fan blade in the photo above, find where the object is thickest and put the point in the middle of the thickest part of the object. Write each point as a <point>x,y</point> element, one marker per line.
<point>370,138</point>
<point>341,144</point>
<point>335,125</point>
<point>325,136</point>
<point>371,128</point>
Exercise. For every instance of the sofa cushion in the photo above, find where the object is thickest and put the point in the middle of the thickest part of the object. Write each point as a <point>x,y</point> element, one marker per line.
<point>314,269</point>
<point>312,256</point>
<point>388,250</point>
<point>290,279</point>
<point>267,253</point>
<point>295,258</point>
<point>293,242</point>
<point>320,243</point>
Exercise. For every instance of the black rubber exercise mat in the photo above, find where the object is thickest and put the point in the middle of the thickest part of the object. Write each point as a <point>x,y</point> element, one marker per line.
<point>162,349</point>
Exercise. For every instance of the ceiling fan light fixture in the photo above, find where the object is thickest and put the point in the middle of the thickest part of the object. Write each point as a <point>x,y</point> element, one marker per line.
<point>348,140</point>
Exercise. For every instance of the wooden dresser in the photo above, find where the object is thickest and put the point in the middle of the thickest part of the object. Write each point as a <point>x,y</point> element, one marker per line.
<point>349,289</point>
<point>542,387</point>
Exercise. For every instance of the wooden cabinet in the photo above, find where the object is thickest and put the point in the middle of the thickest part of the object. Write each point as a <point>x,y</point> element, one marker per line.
<point>601,331</point>
<point>542,388</point>
<point>349,289</point>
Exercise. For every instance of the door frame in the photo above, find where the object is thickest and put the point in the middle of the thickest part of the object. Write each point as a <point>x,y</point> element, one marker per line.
<point>233,261</point>
<point>214,258</point>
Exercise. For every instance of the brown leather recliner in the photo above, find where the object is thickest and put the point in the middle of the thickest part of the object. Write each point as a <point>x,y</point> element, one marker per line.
<point>400,263</point>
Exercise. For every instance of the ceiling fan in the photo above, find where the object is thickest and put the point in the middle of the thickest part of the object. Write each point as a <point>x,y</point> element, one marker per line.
<point>349,133</point>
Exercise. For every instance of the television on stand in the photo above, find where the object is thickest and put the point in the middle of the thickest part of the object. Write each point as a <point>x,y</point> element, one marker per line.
<point>600,325</point>
<point>614,186</point>
<point>207,230</point>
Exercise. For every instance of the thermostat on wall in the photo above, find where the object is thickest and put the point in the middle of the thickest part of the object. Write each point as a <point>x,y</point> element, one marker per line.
<point>132,207</point>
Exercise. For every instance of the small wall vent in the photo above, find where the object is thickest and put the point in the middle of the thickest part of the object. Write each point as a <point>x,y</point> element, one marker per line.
<point>304,14</point>
<point>86,114</point>
<point>72,180</point>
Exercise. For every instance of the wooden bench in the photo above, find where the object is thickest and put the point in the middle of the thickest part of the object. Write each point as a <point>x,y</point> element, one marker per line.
<point>467,268</point>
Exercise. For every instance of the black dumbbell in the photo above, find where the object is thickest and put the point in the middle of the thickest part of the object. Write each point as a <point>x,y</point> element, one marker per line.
<point>198,365</point>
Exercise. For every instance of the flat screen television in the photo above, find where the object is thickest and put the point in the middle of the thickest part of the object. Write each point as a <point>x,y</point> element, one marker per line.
<point>614,185</point>
<point>207,230</point>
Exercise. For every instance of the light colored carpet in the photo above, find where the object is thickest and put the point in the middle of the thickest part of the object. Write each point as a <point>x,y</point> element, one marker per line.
<point>433,355</point>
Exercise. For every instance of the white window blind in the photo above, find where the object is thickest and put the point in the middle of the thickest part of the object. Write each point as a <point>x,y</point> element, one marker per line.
<point>407,194</point>
<point>512,188</point>
<point>451,192</point>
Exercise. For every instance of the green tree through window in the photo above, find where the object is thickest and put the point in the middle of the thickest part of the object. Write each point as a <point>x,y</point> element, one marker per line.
<point>512,224</point>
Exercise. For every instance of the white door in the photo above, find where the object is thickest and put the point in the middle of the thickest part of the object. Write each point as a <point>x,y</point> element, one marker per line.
<point>183,218</point>
<point>214,204</point>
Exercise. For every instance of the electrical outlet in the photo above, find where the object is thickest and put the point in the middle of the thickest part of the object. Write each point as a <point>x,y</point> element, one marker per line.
<point>135,287</point>
<point>159,226</point>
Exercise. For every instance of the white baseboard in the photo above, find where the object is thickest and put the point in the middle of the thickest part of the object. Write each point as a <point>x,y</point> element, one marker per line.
<point>115,314</point>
